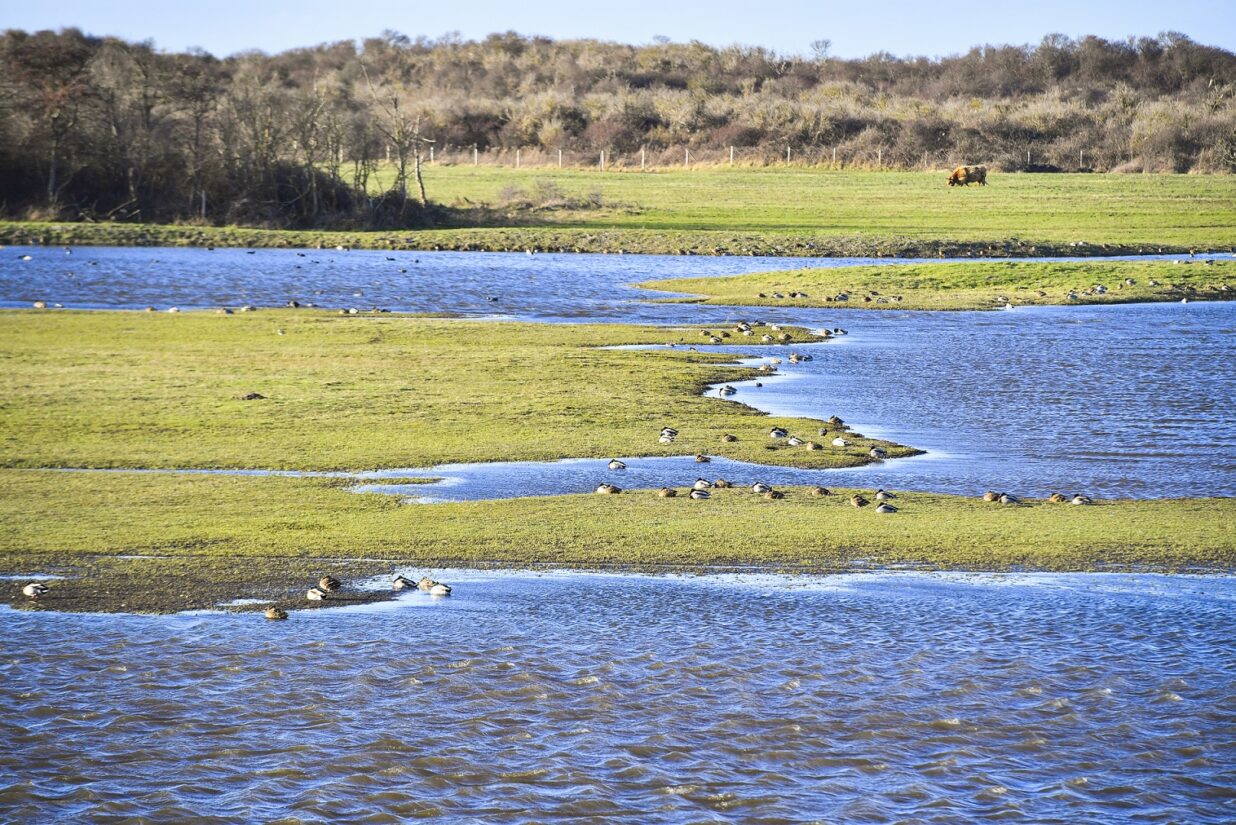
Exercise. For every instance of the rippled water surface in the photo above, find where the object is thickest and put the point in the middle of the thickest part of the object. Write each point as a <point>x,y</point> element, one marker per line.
<point>1111,400</point>
<point>871,698</point>
<point>876,698</point>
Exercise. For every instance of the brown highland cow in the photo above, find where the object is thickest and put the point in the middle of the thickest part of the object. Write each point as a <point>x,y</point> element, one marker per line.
<point>966,175</point>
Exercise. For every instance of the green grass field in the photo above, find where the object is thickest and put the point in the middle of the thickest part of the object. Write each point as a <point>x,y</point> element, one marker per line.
<point>134,389</point>
<point>208,539</point>
<point>776,210</point>
<point>955,286</point>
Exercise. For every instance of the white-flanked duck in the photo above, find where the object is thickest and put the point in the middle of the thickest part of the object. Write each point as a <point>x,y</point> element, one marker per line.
<point>777,432</point>
<point>608,489</point>
<point>795,441</point>
<point>761,488</point>
<point>840,442</point>
<point>884,495</point>
<point>34,590</point>
<point>700,495</point>
<point>401,582</point>
<point>885,508</point>
<point>1080,499</point>
<point>316,594</point>
<point>615,464</point>
<point>701,484</point>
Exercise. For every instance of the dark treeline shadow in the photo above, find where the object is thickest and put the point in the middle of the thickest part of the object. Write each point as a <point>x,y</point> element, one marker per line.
<point>104,129</point>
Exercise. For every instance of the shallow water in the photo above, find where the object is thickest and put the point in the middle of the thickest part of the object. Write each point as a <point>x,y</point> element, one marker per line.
<point>876,698</point>
<point>1110,400</point>
<point>543,287</point>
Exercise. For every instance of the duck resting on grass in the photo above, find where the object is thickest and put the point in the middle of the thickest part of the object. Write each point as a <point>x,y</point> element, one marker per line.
<point>699,495</point>
<point>608,489</point>
<point>34,590</point>
<point>760,488</point>
<point>885,508</point>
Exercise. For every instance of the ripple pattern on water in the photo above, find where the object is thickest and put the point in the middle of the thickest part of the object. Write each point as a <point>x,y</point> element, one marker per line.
<point>1106,400</point>
<point>883,698</point>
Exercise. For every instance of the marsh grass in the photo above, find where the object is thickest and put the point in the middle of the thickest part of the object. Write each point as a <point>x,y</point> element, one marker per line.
<point>959,286</point>
<point>157,390</point>
<point>216,538</point>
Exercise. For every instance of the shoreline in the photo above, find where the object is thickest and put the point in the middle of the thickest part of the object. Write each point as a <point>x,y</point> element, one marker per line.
<point>161,543</point>
<point>701,242</point>
<point>361,589</point>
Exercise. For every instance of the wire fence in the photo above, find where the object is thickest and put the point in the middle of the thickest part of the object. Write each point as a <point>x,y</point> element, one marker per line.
<point>688,157</point>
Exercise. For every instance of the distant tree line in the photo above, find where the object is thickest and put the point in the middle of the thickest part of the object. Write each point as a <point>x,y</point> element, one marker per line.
<point>101,128</point>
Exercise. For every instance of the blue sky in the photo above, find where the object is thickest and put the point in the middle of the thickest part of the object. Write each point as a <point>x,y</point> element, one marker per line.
<point>789,26</point>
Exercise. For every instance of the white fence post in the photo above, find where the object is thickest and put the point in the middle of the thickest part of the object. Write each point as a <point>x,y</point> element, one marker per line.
<point>516,158</point>
<point>476,159</point>
<point>686,158</point>
<point>559,158</point>
<point>641,158</point>
<point>602,160</point>
<point>787,154</point>
<point>731,156</point>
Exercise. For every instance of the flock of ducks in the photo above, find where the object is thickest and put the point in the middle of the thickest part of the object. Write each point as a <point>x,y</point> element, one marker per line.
<point>329,584</point>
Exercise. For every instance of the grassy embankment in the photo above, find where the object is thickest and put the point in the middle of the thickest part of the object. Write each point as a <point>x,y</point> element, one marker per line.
<point>132,389</point>
<point>957,286</point>
<point>160,390</point>
<point>777,211</point>
<point>214,538</point>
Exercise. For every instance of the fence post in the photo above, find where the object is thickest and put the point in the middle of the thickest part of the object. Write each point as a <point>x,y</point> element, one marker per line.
<point>880,158</point>
<point>559,158</point>
<point>731,156</point>
<point>686,158</point>
<point>787,154</point>
<point>431,154</point>
<point>834,156</point>
<point>475,155</point>
<point>1027,157</point>
<point>1081,158</point>
<point>641,158</point>
<point>516,158</point>
<point>602,160</point>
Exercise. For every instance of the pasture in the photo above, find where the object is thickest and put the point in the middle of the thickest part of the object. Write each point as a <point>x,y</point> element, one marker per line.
<point>797,211</point>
